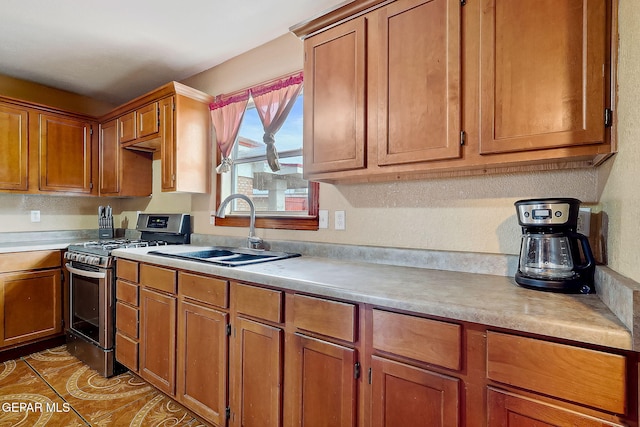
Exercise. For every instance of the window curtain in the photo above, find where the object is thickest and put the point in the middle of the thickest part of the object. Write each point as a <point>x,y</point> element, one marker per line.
<point>226,115</point>
<point>273,103</point>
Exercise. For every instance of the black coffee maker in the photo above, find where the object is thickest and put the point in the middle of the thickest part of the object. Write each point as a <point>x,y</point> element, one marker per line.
<point>553,255</point>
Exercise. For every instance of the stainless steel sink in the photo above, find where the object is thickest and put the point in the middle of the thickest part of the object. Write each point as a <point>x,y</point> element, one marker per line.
<point>225,256</point>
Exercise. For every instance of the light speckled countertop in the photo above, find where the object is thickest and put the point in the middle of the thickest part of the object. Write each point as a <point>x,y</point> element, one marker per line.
<point>480,298</point>
<point>43,240</point>
<point>44,245</point>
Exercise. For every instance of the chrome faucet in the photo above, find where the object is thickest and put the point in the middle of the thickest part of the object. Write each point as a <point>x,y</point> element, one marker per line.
<point>253,241</point>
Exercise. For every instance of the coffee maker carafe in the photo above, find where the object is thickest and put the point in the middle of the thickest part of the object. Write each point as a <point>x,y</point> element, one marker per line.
<point>553,255</point>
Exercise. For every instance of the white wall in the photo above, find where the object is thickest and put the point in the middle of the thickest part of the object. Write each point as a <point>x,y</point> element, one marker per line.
<point>621,195</point>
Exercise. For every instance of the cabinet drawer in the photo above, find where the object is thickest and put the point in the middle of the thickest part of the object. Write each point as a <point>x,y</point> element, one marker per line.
<point>127,352</point>
<point>330,318</point>
<point>590,377</point>
<point>127,270</point>
<point>32,260</point>
<point>258,302</point>
<point>127,320</point>
<point>127,292</point>
<point>205,289</point>
<point>429,341</point>
<point>159,278</point>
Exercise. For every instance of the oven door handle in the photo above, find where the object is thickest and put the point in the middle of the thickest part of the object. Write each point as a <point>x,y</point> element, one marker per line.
<point>90,274</point>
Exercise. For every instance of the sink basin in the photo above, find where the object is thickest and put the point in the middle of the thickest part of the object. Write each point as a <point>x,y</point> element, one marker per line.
<point>228,257</point>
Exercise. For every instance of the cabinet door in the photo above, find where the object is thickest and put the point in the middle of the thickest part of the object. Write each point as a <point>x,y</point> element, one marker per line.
<point>30,306</point>
<point>127,127</point>
<point>325,387</point>
<point>123,172</point>
<point>510,410</point>
<point>148,120</point>
<point>418,50</point>
<point>167,145</point>
<point>203,360</point>
<point>109,158</point>
<point>65,154</point>
<point>158,339</point>
<point>14,146</point>
<point>335,99</point>
<point>257,375</point>
<point>403,395</point>
<point>543,74</point>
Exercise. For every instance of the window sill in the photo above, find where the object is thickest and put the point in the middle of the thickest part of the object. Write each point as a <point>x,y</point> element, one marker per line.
<point>275,222</point>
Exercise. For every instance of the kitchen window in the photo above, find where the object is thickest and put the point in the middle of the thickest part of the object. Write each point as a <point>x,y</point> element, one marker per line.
<point>283,199</point>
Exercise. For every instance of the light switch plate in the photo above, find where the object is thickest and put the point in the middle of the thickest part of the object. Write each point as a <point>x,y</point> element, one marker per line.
<point>35,216</point>
<point>340,221</point>
<point>323,218</point>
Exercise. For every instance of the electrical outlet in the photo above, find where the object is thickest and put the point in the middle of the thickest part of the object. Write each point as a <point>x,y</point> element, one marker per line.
<point>35,216</point>
<point>340,221</point>
<point>323,218</point>
<point>584,221</point>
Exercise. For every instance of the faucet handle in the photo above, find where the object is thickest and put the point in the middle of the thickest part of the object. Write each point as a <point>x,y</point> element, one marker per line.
<point>254,242</point>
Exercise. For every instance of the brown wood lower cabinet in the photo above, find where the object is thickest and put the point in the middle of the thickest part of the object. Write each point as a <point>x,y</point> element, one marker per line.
<point>127,314</point>
<point>30,306</point>
<point>202,360</point>
<point>325,385</point>
<point>257,374</point>
<point>246,355</point>
<point>30,296</point>
<point>158,339</point>
<point>404,395</point>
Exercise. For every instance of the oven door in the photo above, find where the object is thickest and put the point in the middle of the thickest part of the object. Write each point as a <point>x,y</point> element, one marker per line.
<point>91,307</point>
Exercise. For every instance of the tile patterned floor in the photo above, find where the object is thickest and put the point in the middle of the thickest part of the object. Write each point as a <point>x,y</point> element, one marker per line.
<point>53,388</point>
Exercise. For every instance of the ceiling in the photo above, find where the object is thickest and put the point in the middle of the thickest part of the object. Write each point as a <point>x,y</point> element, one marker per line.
<point>116,50</point>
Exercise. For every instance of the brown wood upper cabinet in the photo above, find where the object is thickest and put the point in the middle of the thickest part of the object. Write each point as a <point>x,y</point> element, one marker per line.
<point>46,150</point>
<point>14,144</point>
<point>384,89</point>
<point>335,80</point>
<point>543,74</point>
<point>160,121</point>
<point>137,126</point>
<point>408,89</point>
<point>122,172</point>
<point>65,154</point>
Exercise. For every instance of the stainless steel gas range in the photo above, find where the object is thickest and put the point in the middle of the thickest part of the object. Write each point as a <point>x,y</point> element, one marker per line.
<point>91,332</point>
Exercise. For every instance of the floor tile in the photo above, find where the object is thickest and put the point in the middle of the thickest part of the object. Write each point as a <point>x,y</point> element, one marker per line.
<point>152,410</point>
<point>26,400</point>
<point>55,366</point>
<point>18,373</point>
<point>56,389</point>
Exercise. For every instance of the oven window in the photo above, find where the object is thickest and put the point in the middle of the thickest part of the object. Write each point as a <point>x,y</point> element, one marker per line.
<point>85,306</point>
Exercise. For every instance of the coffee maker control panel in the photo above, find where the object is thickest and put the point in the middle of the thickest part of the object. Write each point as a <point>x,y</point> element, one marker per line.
<point>551,212</point>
